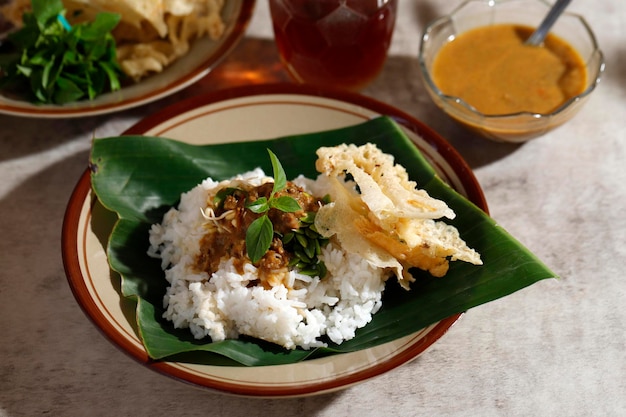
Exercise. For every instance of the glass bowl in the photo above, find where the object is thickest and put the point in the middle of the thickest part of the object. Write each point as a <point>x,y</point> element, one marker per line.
<point>517,127</point>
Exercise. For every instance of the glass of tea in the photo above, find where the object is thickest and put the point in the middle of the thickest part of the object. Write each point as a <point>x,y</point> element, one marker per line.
<point>340,43</point>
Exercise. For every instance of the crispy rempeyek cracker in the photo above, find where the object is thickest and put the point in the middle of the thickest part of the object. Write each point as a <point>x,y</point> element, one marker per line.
<point>389,221</point>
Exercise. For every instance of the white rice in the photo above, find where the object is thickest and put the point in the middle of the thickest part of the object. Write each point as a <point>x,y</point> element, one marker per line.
<point>223,307</point>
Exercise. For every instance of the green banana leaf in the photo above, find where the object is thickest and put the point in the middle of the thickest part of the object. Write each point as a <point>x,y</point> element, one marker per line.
<point>140,178</point>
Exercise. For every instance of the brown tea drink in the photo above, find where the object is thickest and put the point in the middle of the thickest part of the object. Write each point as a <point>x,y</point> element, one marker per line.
<point>340,43</point>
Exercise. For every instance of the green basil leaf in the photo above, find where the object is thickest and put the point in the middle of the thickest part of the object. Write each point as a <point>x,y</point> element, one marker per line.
<point>95,50</point>
<point>258,206</point>
<point>40,58</point>
<point>77,78</point>
<point>110,70</point>
<point>35,84</point>
<point>27,71</point>
<point>45,77</point>
<point>70,57</point>
<point>286,204</point>
<point>280,179</point>
<point>104,23</point>
<point>259,238</point>
<point>67,91</point>
<point>44,10</point>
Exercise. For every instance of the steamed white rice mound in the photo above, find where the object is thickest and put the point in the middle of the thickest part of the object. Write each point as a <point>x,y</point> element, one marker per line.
<point>221,306</point>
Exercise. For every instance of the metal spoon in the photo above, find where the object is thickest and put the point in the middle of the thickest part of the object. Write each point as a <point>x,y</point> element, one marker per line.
<point>542,30</point>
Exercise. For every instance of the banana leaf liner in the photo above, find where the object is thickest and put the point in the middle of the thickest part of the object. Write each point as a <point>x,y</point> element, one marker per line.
<point>140,178</point>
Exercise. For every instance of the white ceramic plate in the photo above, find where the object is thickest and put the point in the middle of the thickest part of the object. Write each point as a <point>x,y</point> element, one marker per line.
<point>248,113</point>
<point>203,56</point>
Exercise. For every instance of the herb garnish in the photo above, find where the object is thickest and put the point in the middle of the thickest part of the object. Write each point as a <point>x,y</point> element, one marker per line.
<point>57,63</point>
<point>261,231</point>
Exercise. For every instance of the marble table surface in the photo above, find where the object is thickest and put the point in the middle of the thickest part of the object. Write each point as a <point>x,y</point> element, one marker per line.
<point>555,348</point>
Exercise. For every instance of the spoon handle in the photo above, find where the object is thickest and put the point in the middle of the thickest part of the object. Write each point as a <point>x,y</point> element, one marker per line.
<point>542,30</point>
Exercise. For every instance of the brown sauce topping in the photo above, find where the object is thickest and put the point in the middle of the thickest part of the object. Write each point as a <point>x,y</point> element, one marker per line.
<point>226,234</point>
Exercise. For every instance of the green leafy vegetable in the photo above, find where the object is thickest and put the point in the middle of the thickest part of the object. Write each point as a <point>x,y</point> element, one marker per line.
<point>261,231</point>
<point>53,62</point>
<point>306,244</point>
<point>134,177</point>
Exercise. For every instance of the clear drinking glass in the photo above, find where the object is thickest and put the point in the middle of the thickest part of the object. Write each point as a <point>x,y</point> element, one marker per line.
<point>342,43</point>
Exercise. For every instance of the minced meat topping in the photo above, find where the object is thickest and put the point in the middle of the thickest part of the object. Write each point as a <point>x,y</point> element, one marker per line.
<point>226,230</point>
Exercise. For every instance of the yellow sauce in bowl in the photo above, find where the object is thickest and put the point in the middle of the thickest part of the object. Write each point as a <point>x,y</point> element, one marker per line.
<point>491,69</point>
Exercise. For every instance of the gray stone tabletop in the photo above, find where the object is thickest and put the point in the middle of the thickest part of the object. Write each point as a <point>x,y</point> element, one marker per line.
<point>557,348</point>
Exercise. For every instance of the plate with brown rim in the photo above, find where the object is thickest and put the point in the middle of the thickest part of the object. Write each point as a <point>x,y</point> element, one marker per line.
<point>204,55</point>
<point>242,114</point>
